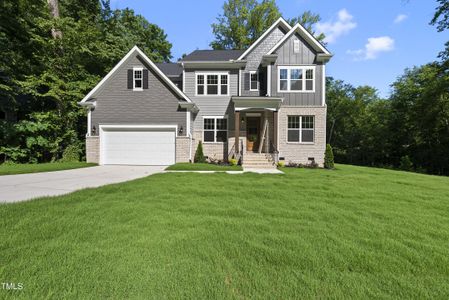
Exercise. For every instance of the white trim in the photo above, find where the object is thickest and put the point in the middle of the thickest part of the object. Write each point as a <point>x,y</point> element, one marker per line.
<point>300,130</point>
<point>188,121</point>
<point>153,66</point>
<point>323,85</point>
<point>250,73</point>
<point>134,78</point>
<point>183,78</point>
<point>306,35</point>
<point>304,69</point>
<point>275,24</point>
<point>240,82</point>
<point>89,122</point>
<point>215,128</point>
<point>219,74</point>
<point>128,126</point>
<point>269,80</point>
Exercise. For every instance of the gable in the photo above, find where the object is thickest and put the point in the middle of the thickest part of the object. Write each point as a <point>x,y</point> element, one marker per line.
<point>143,59</point>
<point>287,55</point>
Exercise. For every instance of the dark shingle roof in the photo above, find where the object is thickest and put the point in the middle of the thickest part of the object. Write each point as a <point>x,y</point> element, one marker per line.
<point>213,55</point>
<point>170,69</point>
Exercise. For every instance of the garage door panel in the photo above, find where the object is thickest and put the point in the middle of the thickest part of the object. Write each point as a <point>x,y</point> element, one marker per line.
<point>140,147</point>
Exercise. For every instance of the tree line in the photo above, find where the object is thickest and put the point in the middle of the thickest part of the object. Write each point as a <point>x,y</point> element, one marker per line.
<point>50,60</point>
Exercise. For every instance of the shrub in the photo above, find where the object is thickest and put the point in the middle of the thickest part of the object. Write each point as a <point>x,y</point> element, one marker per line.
<point>405,163</point>
<point>329,157</point>
<point>281,164</point>
<point>199,155</point>
<point>233,162</point>
<point>71,153</point>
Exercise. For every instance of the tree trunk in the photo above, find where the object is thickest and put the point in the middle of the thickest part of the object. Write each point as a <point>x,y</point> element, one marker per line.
<point>54,11</point>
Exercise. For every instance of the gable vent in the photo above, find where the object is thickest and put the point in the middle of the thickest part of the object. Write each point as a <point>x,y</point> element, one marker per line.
<point>296,46</point>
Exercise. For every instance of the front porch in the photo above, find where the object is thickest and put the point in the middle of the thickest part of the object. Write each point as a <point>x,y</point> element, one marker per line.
<point>255,128</point>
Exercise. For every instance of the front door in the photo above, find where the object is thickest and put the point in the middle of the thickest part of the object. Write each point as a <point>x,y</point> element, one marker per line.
<point>252,133</point>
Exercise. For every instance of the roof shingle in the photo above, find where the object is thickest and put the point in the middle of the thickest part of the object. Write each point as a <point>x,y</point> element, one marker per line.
<point>213,55</point>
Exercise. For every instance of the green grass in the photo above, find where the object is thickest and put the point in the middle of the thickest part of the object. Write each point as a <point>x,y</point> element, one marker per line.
<point>202,167</point>
<point>46,167</point>
<point>349,233</point>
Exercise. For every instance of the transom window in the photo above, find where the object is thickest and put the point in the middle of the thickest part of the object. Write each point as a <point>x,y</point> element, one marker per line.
<point>215,129</point>
<point>296,79</point>
<point>301,129</point>
<point>212,84</point>
<point>253,81</point>
<point>138,78</point>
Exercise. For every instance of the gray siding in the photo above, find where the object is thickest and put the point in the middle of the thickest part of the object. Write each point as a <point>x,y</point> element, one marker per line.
<point>306,56</point>
<point>210,105</point>
<point>116,104</point>
<point>254,59</point>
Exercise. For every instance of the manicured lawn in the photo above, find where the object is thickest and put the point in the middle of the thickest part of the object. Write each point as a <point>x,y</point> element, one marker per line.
<point>201,167</point>
<point>47,167</point>
<point>349,233</point>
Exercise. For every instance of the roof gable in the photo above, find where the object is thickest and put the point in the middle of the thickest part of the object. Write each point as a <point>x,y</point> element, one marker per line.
<point>136,50</point>
<point>279,22</point>
<point>310,39</point>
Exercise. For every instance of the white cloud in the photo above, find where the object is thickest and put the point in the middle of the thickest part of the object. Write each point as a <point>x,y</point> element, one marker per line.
<point>341,26</point>
<point>373,48</point>
<point>400,18</point>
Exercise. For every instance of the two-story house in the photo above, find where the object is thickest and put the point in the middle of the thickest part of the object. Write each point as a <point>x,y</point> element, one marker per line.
<point>259,105</point>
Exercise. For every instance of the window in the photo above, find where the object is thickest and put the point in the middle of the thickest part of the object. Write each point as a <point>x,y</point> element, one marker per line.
<point>138,78</point>
<point>296,46</point>
<point>215,130</point>
<point>300,129</point>
<point>253,81</point>
<point>296,79</point>
<point>212,84</point>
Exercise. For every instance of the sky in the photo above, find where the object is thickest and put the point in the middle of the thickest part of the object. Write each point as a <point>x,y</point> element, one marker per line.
<point>373,41</point>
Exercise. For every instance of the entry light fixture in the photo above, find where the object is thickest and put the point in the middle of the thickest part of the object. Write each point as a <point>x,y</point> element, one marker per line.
<point>181,130</point>
<point>243,120</point>
<point>94,130</point>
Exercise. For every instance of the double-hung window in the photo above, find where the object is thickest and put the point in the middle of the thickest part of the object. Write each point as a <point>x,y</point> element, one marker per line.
<point>300,129</point>
<point>138,79</point>
<point>296,79</point>
<point>215,129</point>
<point>253,81</point>
<point>212,84</point>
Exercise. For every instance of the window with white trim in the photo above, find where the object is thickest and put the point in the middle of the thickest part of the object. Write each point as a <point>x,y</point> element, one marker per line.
<point>212,84</point>
<point>138,78</point>
<point>300,129</point>
<point>215,129</point>
<point>296,79</point>
<point>253,81</point>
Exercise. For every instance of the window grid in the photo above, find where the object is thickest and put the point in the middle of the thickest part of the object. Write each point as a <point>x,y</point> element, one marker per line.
<point>300,129</point>
<point>212,84</point>
<point>254,81</point>
<point>138,78</point>
<point>215,130</point>
<point>296,79</point>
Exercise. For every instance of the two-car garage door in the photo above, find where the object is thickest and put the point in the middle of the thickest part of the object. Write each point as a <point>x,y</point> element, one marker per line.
<point>137,145</point>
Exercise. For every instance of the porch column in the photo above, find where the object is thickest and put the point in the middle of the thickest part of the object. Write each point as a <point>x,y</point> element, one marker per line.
<point>237,131</point>
<point>275,129</point>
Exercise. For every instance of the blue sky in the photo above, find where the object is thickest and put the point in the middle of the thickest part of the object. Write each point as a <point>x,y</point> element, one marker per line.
<point>373,41</point>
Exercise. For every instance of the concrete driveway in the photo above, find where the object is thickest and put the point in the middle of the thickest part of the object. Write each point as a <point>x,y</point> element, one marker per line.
<point>15,188</point>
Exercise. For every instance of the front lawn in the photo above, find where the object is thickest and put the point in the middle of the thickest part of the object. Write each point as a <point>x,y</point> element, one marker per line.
<point>202,167</point>
<point>46,167</point>
<point>349,233</point>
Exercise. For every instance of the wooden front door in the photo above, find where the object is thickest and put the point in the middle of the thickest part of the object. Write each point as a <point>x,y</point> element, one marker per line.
<point>252,133</point>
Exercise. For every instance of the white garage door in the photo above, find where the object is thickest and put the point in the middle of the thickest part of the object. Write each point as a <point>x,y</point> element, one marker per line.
<point>142,146</point>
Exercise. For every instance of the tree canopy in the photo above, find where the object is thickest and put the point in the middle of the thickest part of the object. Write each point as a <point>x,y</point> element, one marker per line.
<point>243,21</point>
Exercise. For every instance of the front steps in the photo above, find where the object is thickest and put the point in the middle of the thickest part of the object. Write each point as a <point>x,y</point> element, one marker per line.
<point>253,160</point>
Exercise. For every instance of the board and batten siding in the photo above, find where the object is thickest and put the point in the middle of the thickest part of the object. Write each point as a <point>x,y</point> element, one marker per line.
<point>305,56</point>
<point>210,105</point>
<point>157,105</point>
<point>254,59</point>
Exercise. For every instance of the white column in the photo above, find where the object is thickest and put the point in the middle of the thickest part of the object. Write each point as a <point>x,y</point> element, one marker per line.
<point>89,122</point>
<point>269,80</point>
